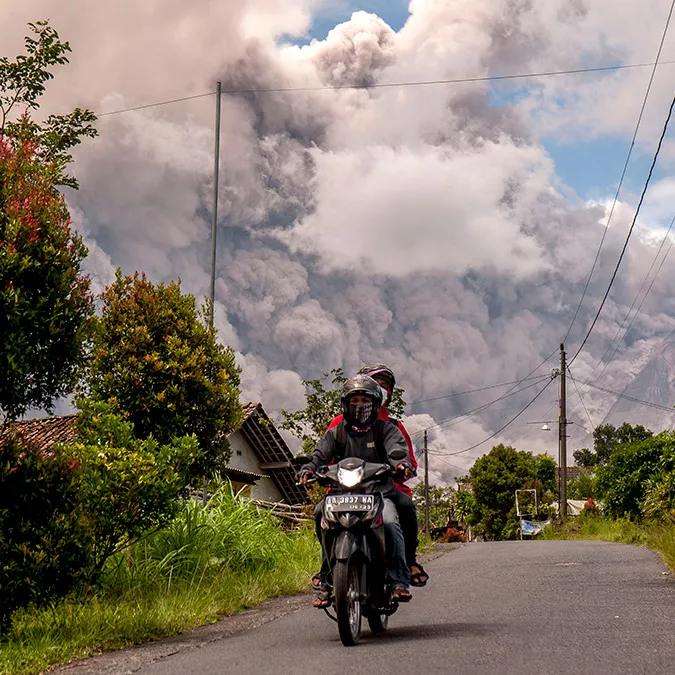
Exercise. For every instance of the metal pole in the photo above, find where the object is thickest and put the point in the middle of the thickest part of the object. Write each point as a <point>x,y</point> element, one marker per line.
<point>214,218</point>
<point>562,427</point>
<point>426,487</point>
<point>214,229</point>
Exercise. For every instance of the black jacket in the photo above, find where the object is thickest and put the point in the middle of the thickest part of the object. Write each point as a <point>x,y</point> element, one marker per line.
<point>362,446</point>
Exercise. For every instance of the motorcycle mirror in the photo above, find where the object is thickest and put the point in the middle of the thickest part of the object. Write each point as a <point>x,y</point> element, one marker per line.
<point>300,460</point>
<point>398,454</point>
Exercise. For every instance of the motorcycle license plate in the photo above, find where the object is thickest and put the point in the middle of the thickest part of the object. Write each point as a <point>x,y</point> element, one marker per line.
<point>350,502</point>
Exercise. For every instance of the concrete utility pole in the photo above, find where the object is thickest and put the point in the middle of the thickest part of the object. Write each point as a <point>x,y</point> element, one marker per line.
<point>562,441</point>
<point>214,219</point>
<point>214,228</point>
<point>426,487</point>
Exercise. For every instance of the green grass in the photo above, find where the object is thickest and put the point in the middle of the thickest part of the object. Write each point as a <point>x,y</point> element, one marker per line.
<point>656,536</point>
<point>209,563</point>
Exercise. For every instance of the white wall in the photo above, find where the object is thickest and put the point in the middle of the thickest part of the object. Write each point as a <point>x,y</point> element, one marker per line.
<point>245,459</point>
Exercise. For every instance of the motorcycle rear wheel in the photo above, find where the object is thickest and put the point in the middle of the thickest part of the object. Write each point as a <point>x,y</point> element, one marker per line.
<point>347,594</point>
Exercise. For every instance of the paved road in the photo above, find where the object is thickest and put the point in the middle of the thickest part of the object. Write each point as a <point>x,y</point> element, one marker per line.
<point>511,607</point>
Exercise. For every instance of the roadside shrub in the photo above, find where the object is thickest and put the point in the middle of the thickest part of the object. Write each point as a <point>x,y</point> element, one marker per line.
<point>451,535</point>
<point>44,539</point>
<point>659,501</point>
<point>590,509</point>
<point>621,483</point>
<point>128,486</point>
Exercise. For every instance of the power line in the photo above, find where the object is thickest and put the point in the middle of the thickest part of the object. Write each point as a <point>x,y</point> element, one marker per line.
<point>470,413</point>
<point>623,173</point>
<point>472,391</point>
<point>630,398</point>
<point>630,231</point>
<point>644,281</point>
<point>391,85</point>
<point>154,105</point>
<point>513,419</point>
<point>581,398</point>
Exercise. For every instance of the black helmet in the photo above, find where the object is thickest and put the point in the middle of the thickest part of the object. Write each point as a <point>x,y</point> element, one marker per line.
<point>361,418</point>
<point>381,371</point>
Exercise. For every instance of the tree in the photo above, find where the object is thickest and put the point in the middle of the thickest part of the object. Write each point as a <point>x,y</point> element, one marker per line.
<point>323,404</point>
<point>495,477</point>
<point>622,483</point>
<point>45,304</point>
<point>156,361</point>
<point>585,458</point>
<point>22,82</point>
<point>606,438</point>
<point>441,503</point>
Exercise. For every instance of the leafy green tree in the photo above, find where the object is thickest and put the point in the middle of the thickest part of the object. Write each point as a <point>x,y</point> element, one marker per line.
<point>45,304</point>
<point>441,503</point>
<point>156,361</point>
<point>323,404</point>
<point>606,438</point>
<point>585,458</point>
<point>22,83</point>
<point>127,486</point>
<point>622,481</point>
<point>495,477</point>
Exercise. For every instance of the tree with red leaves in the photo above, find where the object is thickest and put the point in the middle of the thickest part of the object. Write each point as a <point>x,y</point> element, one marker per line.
<point>45,303</point>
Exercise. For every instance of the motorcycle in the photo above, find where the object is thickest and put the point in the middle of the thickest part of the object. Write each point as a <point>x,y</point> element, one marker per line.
<point>354,540</point>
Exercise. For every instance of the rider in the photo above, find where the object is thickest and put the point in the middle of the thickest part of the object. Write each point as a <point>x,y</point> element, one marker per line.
<point>407,512</point>
<point>361,401</point>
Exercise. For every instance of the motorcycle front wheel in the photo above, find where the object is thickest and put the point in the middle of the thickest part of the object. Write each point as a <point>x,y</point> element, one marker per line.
<point>347,593</point>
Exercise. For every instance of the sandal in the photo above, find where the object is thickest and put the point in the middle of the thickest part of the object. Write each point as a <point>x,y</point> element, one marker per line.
<point>401,594</point>
<point>420,577</point>
<point>317,584</point>
<point>323,599</point>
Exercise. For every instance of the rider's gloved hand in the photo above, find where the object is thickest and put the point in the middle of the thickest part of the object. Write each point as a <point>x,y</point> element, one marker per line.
<point>304,475</point>
<point>404,471</point>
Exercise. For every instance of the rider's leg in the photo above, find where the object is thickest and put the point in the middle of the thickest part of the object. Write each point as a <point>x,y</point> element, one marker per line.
<point>318,510</point>
<point>398,570</point>
<point>407,516</point>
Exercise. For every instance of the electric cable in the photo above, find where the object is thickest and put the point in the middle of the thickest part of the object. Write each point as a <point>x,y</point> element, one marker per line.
<point>383,85</point>
<point>473,391</point>
<point>629,398</point>
<point>513,419</point>
<point>630,232</point>
<point>480,408</point>
<point>581,398</point>
<point>623,173</point>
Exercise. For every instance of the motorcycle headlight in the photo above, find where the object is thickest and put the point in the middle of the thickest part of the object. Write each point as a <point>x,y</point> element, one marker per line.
<point>350,477</point>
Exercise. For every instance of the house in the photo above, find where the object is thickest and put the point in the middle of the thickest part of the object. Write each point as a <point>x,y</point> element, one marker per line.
<point>260,462</point>
<point>259,467</point>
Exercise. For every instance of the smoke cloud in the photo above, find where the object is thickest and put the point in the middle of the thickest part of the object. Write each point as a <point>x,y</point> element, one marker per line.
<point>423,226</point>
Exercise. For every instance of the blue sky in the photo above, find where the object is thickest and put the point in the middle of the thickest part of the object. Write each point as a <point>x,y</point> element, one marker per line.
<point>592,168</point>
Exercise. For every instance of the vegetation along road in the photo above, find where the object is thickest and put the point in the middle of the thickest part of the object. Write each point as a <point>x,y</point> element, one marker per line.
<point>504,607</point>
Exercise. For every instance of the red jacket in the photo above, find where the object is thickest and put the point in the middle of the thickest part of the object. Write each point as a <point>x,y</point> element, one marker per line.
<point>384,415</point>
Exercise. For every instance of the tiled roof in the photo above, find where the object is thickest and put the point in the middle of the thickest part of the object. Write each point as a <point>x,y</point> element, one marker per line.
<point>44,432</point>
<point>272,451</point>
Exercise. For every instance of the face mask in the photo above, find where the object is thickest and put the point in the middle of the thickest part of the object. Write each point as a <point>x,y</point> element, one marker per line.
<point>385,394</point>
<point>360,412</point>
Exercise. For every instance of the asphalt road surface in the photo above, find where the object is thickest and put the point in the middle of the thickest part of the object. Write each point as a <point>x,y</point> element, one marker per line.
<point>539,607</point>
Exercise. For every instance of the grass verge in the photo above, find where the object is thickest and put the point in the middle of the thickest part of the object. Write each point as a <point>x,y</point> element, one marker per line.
<point>208,564</point>
<point>656,536</point>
